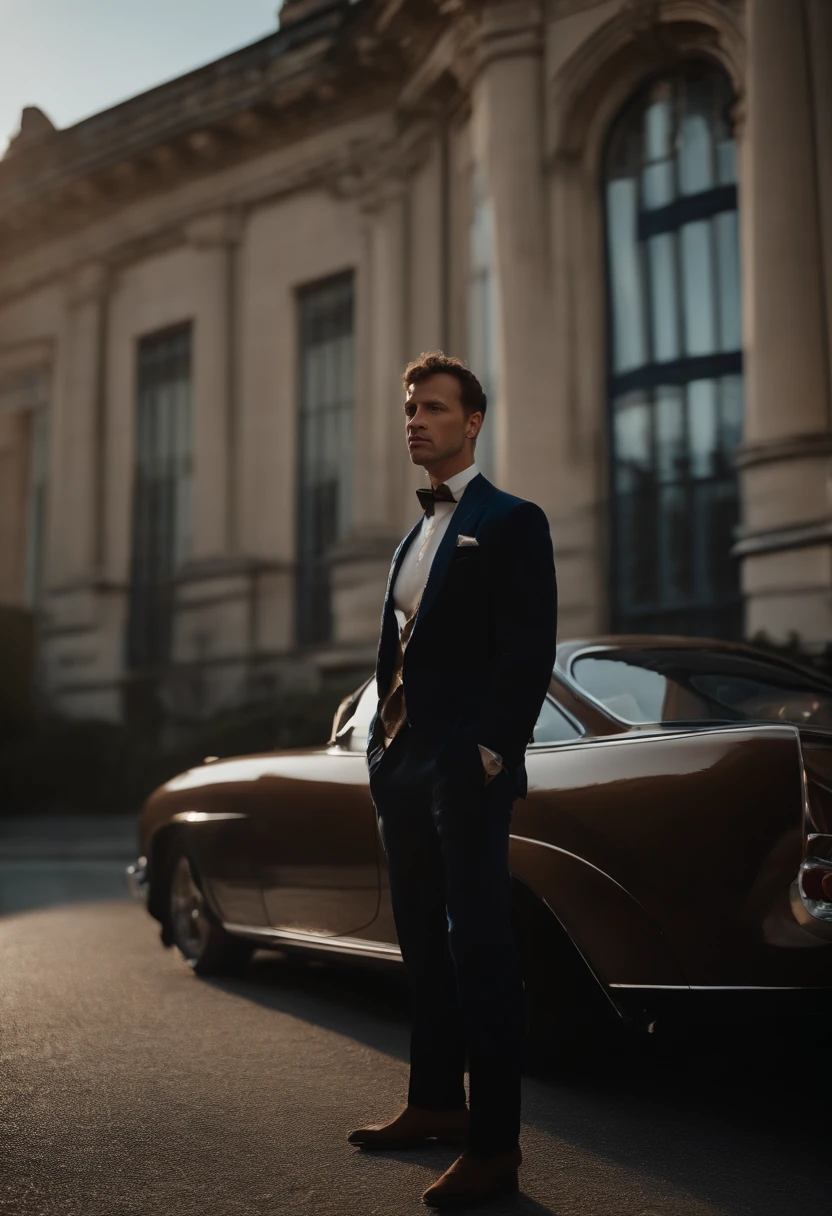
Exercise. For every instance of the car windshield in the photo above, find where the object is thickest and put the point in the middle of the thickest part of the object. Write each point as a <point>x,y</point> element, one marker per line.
<point>642,687</point>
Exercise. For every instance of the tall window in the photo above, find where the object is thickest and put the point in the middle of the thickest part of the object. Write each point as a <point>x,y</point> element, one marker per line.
<point>161,491</point>
<point>325,448</point>
<point>675,359</point>
<point>483,322</point>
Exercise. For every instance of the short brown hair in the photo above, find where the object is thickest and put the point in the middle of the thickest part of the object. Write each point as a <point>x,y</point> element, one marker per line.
<point>433,362</point>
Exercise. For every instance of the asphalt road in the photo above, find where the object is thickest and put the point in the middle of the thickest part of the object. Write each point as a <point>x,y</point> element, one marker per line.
<point>129,1087</point>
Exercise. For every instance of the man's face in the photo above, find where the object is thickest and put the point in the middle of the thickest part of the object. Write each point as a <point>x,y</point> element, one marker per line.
<point>435,423</point>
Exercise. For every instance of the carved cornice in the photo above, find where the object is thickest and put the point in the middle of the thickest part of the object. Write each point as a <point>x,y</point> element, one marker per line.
<point>565,8</point>
<point>373,172</point>
<point>262,96</point>
<point>215,229</point>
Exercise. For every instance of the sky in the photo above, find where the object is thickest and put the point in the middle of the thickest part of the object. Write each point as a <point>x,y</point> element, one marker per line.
<point>72,58</point>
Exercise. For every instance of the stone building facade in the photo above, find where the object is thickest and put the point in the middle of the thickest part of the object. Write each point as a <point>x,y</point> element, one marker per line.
<point>619,211</point>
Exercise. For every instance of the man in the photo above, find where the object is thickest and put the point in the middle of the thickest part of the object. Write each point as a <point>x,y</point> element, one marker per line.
<point>465,655</point>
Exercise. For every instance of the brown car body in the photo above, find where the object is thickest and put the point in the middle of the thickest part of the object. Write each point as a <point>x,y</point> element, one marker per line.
<point>669,855</point>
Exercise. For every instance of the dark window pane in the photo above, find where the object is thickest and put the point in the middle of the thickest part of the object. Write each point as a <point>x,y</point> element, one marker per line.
<point>671,445</point>
<point>695,137</point>
<point>732,402</point>
<point>633,443</point>
<point>162,491</point>
<point>552,726</point>
<point>664,295</point>
<point>667,685</point>
<point>629,339</point>
<point>699,297</point>
<point>674,544</point>
<point>703,427</point>
<point>325,460</point>
<point>726,230</point>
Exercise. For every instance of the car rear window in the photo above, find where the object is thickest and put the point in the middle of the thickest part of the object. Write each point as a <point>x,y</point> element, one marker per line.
<point>644,687</point>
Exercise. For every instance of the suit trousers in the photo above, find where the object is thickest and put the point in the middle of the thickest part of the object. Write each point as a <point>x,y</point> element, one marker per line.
<point>446,842</point>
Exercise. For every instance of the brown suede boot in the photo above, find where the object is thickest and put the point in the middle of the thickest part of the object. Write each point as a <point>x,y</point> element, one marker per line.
<point>415,1126</point>
<point>474,1178</point>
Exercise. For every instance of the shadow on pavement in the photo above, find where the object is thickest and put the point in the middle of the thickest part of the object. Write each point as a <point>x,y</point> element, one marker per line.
<point>716,1112</point>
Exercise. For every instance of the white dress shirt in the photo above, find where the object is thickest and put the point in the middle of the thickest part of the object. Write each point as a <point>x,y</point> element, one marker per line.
<point>413,573</point>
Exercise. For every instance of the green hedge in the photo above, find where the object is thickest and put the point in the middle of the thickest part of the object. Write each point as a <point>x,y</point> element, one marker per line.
<point>88,766</point>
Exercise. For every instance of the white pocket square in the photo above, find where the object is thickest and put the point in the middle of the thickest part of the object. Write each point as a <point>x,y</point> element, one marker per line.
<point>466,540</point>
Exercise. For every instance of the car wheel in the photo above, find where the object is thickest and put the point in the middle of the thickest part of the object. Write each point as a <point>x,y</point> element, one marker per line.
<point>196,932</point>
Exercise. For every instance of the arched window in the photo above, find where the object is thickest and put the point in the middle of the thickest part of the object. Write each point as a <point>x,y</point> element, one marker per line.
<point>675,357</point>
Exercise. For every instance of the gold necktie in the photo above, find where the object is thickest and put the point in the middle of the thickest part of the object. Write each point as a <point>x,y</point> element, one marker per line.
<point>393,712</point>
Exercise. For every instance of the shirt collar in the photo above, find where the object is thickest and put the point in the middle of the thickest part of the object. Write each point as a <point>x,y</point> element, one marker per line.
<point>459,481</point>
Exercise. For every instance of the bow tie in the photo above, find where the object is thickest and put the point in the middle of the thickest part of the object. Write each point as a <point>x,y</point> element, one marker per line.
<point>429,498</point>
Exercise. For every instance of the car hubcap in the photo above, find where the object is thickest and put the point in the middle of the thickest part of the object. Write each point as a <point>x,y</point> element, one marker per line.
<point>188,915</point>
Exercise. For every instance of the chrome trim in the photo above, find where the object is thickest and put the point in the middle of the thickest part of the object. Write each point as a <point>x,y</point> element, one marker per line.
<point>314,941</point>
<point>592,648</point>
<point>808,822</point>
<point>722,987</point>
<point>570,718</point>
<point>205,816</point>
<point>136,877</point>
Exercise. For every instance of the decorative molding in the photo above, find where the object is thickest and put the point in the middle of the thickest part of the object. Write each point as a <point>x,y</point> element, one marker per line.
<point>813,446</point>
<point>88,283</point>
<point>22,359</point>
<point>777,540</point>
<point>375,172</point>
<point>507,29</point>
<point>643,38</point>
<point>25,388</point>
<point>565,8</point>
<point>215,228</point>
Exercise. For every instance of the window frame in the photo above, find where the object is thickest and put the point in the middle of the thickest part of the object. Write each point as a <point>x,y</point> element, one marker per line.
<point>313,623</point>
<point>148,649</point>
<point>570,718</point>
<point>709,610</point>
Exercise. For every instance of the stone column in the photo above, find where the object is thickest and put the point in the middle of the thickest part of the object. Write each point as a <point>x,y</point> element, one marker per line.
<point>381,447</point>
<point>78,643</point>
<point>361,560</point>
<point>820,45</point>
<point>78,497</point>
<point>784,460</point>
<point>508,146</point>
<point>216,236</point>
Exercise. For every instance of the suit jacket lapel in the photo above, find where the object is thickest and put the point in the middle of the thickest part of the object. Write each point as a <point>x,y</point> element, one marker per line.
<point>466,516</point>
<point>464,520</point>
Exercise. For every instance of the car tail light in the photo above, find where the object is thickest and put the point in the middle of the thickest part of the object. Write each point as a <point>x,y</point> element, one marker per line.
<point>813,880</point>
<point>815,886</point>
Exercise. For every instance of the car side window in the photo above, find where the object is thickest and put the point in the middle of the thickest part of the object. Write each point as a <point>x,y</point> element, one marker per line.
<point>363,716</point>
<point>553,726</point>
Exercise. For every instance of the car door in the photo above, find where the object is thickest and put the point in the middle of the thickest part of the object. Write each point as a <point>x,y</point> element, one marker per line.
<point>315,835</point>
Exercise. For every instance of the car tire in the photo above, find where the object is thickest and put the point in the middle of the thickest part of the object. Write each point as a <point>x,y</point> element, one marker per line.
<point>196,932</point>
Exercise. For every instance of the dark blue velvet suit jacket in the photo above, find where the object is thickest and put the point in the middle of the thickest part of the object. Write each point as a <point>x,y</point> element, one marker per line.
<point>479,659</point>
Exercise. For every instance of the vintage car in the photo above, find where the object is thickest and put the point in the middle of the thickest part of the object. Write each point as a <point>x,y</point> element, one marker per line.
<point>673,855</point>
